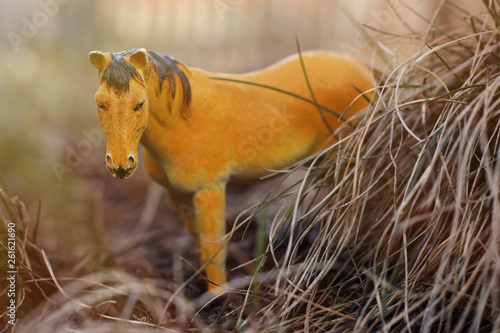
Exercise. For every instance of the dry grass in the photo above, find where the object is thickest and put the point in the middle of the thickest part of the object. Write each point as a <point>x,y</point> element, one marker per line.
<point>394,228</point>
<point>407,209</point>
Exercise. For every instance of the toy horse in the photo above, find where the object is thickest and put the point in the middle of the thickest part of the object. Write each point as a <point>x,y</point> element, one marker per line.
<point>199,133</point>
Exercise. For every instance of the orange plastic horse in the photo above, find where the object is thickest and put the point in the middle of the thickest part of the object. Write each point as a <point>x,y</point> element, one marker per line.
<point>199,133</point>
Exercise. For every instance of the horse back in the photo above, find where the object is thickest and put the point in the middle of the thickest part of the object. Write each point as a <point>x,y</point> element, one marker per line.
<point>275,129</point>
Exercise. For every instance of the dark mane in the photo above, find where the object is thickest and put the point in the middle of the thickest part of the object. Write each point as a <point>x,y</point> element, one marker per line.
<point>167,68</point>
<point>118,73</point>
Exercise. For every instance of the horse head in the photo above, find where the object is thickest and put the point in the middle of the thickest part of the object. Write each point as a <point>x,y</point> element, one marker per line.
<point>122,106</point>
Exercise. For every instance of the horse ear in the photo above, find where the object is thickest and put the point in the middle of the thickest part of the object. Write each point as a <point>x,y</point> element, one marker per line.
<point>98,59</point>
<point>139,58</point>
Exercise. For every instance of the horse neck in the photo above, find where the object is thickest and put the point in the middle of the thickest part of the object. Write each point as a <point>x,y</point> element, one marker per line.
<point>164,112</point>
<point>162,101</point>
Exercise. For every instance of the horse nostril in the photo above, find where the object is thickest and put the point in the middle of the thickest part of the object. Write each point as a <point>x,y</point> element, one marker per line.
<point>123,169</point>
<point>131,161</point>
<point>109,161</point>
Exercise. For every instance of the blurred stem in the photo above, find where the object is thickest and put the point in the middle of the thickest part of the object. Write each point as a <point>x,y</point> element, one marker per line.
<point>2,183</point>
<point>260,242</point>
<point>35,232</point>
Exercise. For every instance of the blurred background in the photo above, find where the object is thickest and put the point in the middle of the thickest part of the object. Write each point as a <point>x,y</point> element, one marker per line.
<point>51,146</point>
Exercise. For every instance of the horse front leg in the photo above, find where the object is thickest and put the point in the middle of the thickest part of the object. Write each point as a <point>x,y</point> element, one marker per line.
<point>209,204</point>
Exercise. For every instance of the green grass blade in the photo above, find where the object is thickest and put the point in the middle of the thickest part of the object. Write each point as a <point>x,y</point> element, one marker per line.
<point>309,85</point>
<point>286,93</point>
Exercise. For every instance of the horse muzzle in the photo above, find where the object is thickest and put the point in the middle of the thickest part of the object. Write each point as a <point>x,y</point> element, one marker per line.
<point>121,170</point>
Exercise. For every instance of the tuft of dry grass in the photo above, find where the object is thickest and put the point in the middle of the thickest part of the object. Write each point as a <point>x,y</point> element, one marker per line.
<point>104,301</point>
<point>396,227</point>
<point>405,210</point>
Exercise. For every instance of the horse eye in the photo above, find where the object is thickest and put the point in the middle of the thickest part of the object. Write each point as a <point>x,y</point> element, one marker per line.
<point>138,106</point>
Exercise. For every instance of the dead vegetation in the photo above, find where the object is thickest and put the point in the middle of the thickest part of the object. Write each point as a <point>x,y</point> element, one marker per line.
<point>396,228</point>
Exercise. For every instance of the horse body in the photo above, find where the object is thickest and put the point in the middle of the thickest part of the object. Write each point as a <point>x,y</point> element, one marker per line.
<point>197,139</point>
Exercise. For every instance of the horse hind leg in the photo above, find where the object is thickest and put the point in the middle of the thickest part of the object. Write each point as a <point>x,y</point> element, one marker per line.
<point>183,204</point>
